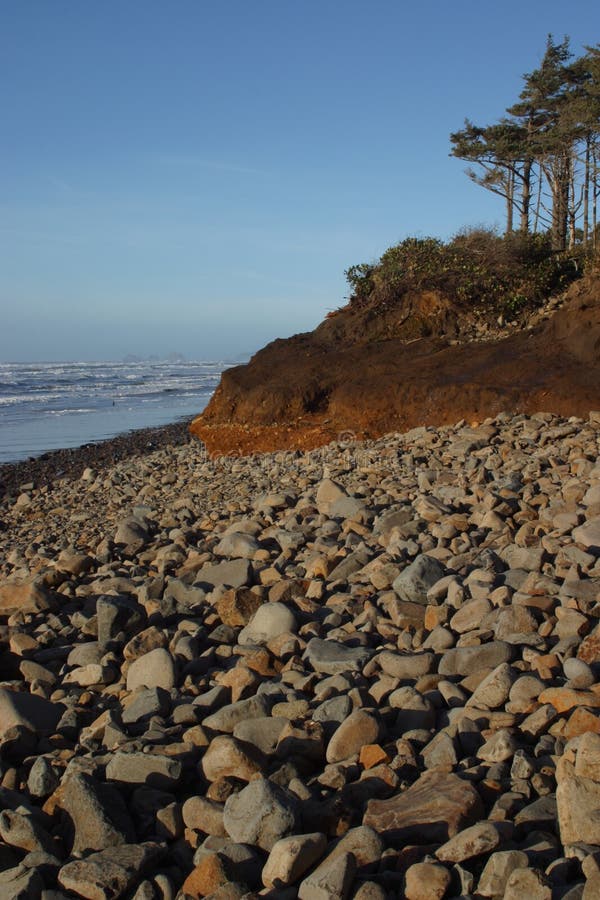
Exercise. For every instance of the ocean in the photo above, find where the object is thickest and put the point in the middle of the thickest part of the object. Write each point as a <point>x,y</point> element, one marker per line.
<point>50,406</point>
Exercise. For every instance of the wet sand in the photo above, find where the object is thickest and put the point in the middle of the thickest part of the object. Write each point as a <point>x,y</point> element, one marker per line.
<point>71,463</point>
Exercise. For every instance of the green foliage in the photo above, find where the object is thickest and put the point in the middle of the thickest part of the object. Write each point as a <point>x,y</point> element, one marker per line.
<point>476,269</point>
<point>359,279</point>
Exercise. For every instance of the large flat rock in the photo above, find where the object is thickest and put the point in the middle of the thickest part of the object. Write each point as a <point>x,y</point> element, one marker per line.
<point>434,809</point>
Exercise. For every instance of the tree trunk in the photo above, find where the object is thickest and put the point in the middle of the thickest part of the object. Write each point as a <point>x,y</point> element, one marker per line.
<point>594,197</point>
<point>510,200</point>
<point>558,174</point>
<point>538,202</point>
<point>574,206</point>
<point>525,196</point>
<point>586,191</point>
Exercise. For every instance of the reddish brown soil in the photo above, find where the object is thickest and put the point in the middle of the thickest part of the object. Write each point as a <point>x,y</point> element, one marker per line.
<point>304,391</point>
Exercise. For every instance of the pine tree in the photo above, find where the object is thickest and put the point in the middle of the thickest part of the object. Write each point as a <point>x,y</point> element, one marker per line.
<point>550,140</point>
<point>497,150</point>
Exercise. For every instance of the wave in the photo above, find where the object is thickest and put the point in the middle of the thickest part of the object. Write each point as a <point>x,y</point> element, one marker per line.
<point>43,402</point>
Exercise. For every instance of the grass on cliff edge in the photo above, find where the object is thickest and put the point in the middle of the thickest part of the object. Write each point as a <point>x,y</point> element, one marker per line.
<point>477,269</point>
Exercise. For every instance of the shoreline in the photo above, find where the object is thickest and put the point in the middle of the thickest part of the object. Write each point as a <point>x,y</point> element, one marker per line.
<point>71,462</point>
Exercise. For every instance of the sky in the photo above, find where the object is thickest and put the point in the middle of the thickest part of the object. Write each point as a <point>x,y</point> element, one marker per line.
<point>195,177</point>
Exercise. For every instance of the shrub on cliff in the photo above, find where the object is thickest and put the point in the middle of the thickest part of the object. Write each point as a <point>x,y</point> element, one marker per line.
<point>477,269</point>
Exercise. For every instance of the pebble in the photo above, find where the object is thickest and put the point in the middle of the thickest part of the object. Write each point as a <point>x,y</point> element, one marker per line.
<point>364,671</point>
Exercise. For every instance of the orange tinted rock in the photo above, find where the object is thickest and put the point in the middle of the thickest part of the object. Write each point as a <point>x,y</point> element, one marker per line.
<point>209,874</point>
<point>241,680</point>
<point>581,721</point>
<point>372,755</point>
<point>546,665</point>
<point>563,699</point>
<point>589,649</point>
<point>434,616</point>
<point>259,660</point>
<point>23,596</point>
<point>236,607</point>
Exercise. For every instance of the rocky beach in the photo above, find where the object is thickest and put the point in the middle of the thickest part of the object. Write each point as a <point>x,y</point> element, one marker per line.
<point>363,671</point>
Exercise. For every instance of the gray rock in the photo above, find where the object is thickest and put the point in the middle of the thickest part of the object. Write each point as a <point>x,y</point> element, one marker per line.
<point>529,883</point>
<point>109,873</point>
<point>132,535</point>
<point>406,666</point>
<point>333,711</point>
<point>413,582</point>
<point>493,691</point>
<point>474,841</point>
<point>540,814</point>
<point>578,673</point>
<point>155,669</point>
<point>227,757</point>
<point>501,746</point>
<point>440,751</point>
<point>369,890</point>
<point>333,657</point>
<point>20,883</point>
<point>347,508</point>
<point>334,501</point>
<point>467,660</point>
<point>29,711</point>
<point>237,546</point>
<point>25,596</point>
<point>588,534</point>
<point>185,597</point>
<point>235,573</point>
<point>498,870</point>
<point>290,857</point>
<point>426,880</point>
<point>393,519</point>
<point>328,493</point>
<point>98,814</point>
<point>144,768</point>
<point>333,878</point>
<point>117,617</point>
<point>578,800</point>
<point>364,844</point>
<point>226,718</point>
<point>90,653</point>
<point>24,832</point>
<point>263,733</point>
<point>349,565</point>
<point>269,621</point>
<point>261,814</point>
<point>43,779</point>
<point>144,703</point>
<point>205,815</point>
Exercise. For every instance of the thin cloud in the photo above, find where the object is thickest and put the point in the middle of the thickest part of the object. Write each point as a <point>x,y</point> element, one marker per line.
<point>61,185</point>
<point>190,161</point>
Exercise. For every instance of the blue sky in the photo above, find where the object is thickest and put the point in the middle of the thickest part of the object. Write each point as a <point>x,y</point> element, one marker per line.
<point>195,176</point>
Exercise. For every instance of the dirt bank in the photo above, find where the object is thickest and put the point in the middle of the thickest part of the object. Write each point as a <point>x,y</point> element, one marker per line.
<point>343,377</point>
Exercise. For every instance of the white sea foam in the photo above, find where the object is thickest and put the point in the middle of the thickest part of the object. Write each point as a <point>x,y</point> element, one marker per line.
<point>94,400</point>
